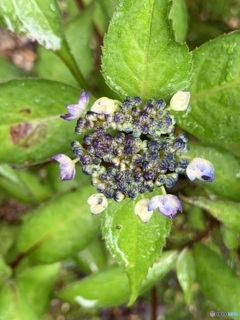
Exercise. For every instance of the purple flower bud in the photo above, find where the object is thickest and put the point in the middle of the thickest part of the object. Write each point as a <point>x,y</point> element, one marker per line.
<point>75,110</point>
<point>168,205</point>
<point>201,169</point>
<point>67,166</point>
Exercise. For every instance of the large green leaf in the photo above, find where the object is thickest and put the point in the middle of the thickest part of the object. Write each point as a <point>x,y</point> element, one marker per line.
<point>228,212</point>
<point>217,280</point>
<point>31,129</point>
<point>111,287</point>
<point>59,228</point>
<point>226,167</point>
<point>214,114</point>
<point>36,286</point>
<point>49,66</point>
<point>134,244</point>
<point>39,20</point>
<point>140,55</point>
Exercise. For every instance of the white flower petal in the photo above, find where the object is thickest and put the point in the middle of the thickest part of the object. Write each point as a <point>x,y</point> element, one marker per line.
<point>180,101</point>
<point>98,203</point>
<point>141,209</point>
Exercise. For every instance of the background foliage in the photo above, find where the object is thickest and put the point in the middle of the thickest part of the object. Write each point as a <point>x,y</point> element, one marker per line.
<point>53,258</point>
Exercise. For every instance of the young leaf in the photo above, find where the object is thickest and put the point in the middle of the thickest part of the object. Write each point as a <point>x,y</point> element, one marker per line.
<point>39,20</point>
<point>179,17</point>
<point>36,285</point>
<point>186,272</point>
<point>214,114</point>
<point>140,55</point>
<point>59,229</point>
<point>31,129</point>
<point>135,245</point>
<point>49,66</point>
<point>226,167</point>
<point>217,280</point>
<point>97,290</point>
<point>225,211</point>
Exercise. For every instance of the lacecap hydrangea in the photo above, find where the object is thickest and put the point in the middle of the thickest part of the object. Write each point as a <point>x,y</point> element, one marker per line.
<point>130,148</point>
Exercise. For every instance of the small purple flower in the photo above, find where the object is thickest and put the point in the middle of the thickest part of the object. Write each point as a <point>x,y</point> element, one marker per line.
<point>201,169</point>
<point>168,205</point>
<point>67,166</point>
<point>75,110</point>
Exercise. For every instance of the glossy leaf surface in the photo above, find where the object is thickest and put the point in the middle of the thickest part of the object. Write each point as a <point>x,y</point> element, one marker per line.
<point>214,114</point>
<point>140,55</point>
<point>39,20</point>
<point>134,244</point>
<point>31,129</point>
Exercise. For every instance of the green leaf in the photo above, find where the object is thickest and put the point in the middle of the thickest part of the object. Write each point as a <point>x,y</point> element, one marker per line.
<point>5,271</point>
<point>31,129</point>
<point>36,286</point>
<point>230,238</point>
<point>134,244</point>
<point>140,55</point>
<point>13,304</point>
<point>39,20</point>
<point>23,185</point>
<point>227,170</point>
<point>217,280</point>
<point>9,71</point>
<point>186,272</point>
<point>59,228</point>
<point>92,258</point>
<point>96,290</point>
<point>179,17</point>
<point>49,66</point>
<point>225,211</point>
<point>214,114</point>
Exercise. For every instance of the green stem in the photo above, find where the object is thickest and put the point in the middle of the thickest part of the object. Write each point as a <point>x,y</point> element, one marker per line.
<point>163,190</point>
<point>65,55</point>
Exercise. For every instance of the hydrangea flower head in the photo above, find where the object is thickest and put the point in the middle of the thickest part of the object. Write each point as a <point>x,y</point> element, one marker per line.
<point>130,148</point>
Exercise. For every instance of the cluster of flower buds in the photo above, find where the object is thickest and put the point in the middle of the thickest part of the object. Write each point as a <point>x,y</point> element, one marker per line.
<point>130,148</point>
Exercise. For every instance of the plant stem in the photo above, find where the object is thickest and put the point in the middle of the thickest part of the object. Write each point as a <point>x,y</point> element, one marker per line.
<point>154,303</point>
<point>66,56</point>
